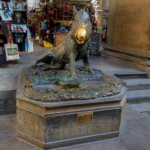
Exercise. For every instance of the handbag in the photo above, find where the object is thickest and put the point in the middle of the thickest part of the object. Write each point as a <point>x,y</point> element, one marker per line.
<point>30,46</point>
<point>29,43</point>
<point>11,51</point>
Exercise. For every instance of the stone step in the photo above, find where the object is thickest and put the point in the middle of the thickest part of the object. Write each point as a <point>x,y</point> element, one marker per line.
<point>6,107</point>
<point>7,102</point>
<point>8,110</point>
<point>138,96</point>
<point>132,75</point>
<point>137,84</point>
<point>143,108</point>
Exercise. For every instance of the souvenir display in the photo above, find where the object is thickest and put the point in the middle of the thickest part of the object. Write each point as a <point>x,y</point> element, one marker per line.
<point>19,39</point>
<point>5,10</point>
<point>19,17</point>
<point>14,18</point>
<point>19,28</point>
<point>30,47</point>
<point>53,19</point>
<point>9,4</point>
<point>5,15</point>
<point>4,5</point>
<point>61,11</point>
<point>19,6</point>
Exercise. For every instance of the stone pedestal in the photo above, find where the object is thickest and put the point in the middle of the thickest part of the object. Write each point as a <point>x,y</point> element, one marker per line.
<point>51,125</point>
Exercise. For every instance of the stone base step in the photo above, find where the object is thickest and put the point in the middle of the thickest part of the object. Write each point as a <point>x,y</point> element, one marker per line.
<point>6,111</point>
<point>143,108</point>
<point>137,84</point>
<point>138,96</point>
<point>7,102</point>
<point>140,75</point>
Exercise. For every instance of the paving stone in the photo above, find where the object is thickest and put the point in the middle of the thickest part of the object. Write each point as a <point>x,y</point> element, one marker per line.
<point>138,96</point>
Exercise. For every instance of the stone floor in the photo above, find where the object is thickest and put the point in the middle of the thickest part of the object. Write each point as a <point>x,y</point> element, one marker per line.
<point>134,133</point>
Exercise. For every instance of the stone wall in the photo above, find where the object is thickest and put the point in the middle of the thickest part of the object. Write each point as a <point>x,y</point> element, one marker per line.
<point>128,35</point>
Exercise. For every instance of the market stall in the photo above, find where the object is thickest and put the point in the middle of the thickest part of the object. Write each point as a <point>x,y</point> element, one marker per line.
<point>13,27</point>
<point>52,20</point>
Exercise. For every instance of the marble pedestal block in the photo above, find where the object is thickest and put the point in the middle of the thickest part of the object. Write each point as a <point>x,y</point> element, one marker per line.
<point>51,125</point>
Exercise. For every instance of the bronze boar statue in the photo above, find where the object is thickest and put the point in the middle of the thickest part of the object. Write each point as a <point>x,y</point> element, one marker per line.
<point>74,47</point>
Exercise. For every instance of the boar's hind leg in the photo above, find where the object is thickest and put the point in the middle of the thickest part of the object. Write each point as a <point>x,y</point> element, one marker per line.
<point>47,60</point>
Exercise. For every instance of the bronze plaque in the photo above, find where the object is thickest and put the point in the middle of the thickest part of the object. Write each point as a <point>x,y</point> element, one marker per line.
<point>84,118</point>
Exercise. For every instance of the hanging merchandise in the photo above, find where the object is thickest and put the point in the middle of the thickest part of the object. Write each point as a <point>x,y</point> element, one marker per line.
<point>4,5</point>
<point>26,45</point>
<point>19,17</point>
<point>19,38</point>
<point>19,6</point>
<point>18,28</point>
<point>5,15</point>
<point>9,4</point>
<point>29,42</point>
<point>5,11</point>
<point>13,23</point>
<point>11,51</point>
<point>30,46</point>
